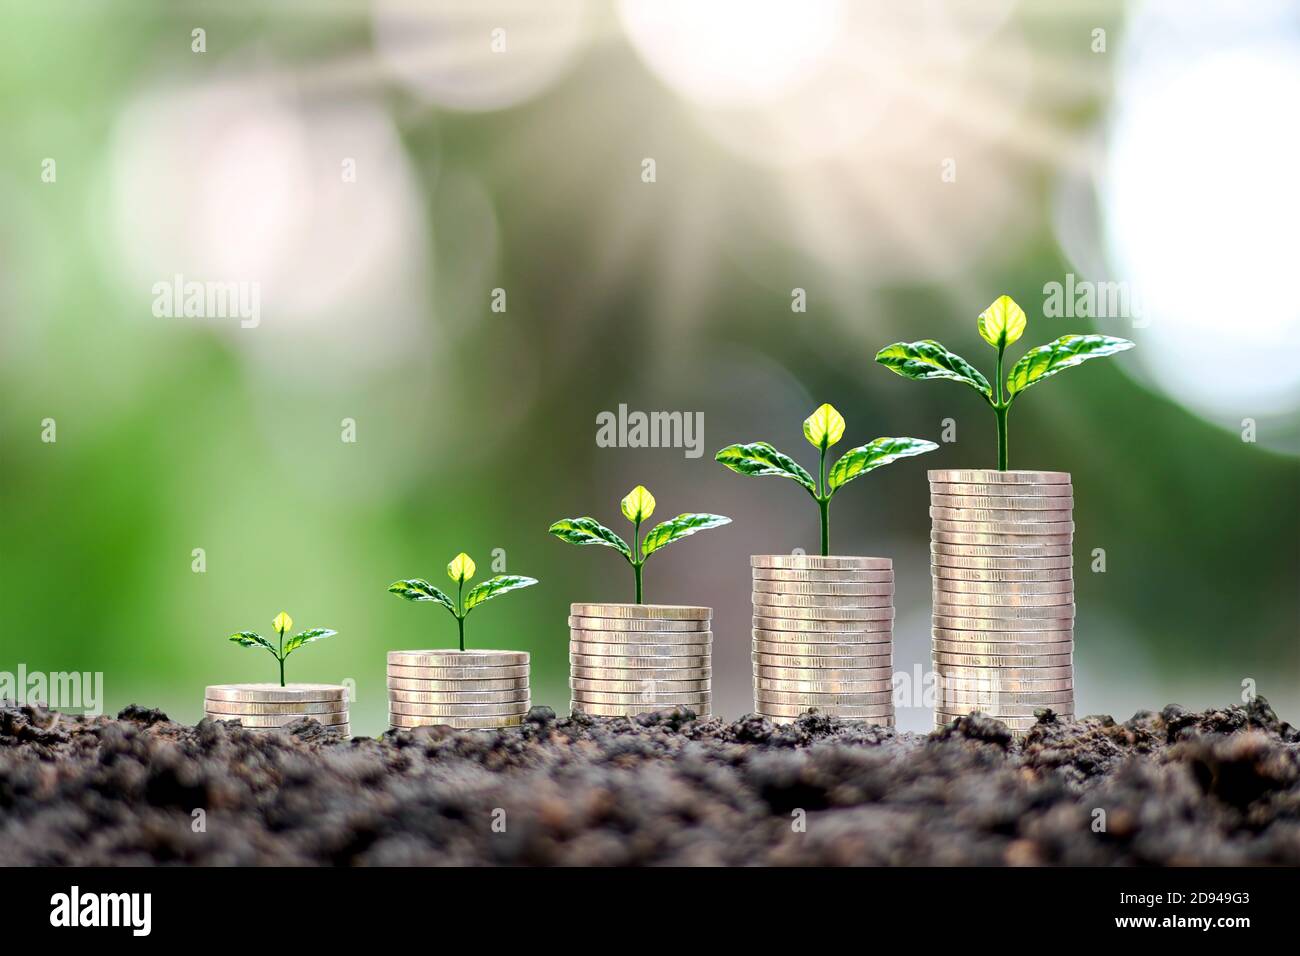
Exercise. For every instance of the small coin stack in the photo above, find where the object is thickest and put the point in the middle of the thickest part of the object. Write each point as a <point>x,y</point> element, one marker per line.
<point>631,658</point>
<point>1001,558</point>
<point>465,689</point>
<point>268,706</point>
<point>823,636</point>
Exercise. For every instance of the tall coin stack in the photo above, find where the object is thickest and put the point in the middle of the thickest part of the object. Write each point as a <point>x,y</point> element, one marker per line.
<point>631,658</point>
<point>465,689</point>
<point>823,636</point>
<point>268,706</point>
<point>1001,557</point>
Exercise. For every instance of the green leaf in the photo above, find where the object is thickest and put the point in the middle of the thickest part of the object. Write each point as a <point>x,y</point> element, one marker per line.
<point>249,639</point>
<point>674,529</point>
<point>589,531</point>
<point>868,457</point>
<point>928,359</point>
<point>487,590</point>
<point>760,458</point>
<point>638,505</point>
<point>307,637</point>
<point>824,427</point>
<point>1002,323</point>
<point>417,589</point>
<point>1066,352</point>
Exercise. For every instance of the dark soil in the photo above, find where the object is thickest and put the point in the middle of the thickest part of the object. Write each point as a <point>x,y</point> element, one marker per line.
<point>1220,787</point>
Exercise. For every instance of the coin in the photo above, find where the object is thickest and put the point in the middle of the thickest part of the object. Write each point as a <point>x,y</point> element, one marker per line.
<point>636,662</point>
<point>297,707</point>
<point>407,708</point>
<point>980,476</point>
<point>1009,616</point>
<point>631,710</point>
<point>1003,660</point>
<point>1002,575</point>
<point>948,671</point>
<point>632,624</point>
<point>949,536</point>
<point>948,562</point>
<point>995,698</point>
<point>272,693</point>
<point>1010,710</point>
<point>660,612</point>
<point>456,686</point>
<point>643,637</point>
<point>989,520</point>
<point>1019,725</point>
<point>883,589</point>
<point>865,712</point>
<point>853,614</point>
<point>641,674</point>
<point>820,673</point>
<point>883,664</point>
<point>411,721</point>
<point>456,673</point>
<point>641,699</point>
<point>1003,587</point>
<point>1004,650</point>
<point>765,649</point>
<point>1001,550</point>
<point>810,562</point>
<point>825,686</point>
<point>590,649</point>
<point>652,685</point>
<point>1014,503</point>
<point>956,489</point>
<point>1051,530</point>
<point>960,599</point>
<point>459,697</point>
<point>1026,624</point>
<point>823,577</point>
<point>770,622</point>
<point>764,599</point>
<point>280,720</point>
<point>1005,632</point>
<point>458,658</point>
<point>790,698</point>
<point>882,635</point>
<point>1005,682</point>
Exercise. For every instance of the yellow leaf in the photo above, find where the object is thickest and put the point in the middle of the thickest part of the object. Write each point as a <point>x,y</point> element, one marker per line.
<point>824,427</point>
<point>283,622</point>
<point>639,504</point>
<point>461,568</point>
<point>1002,322</point>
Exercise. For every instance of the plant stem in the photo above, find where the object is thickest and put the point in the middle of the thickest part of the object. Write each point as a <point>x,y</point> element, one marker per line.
<point>638,564</point>
<point>460,617</point>
<point>824,504</point>
<point>281,671</point>
<point>280,658</point>
<point>1001,412</point>
<point>1000,409</point>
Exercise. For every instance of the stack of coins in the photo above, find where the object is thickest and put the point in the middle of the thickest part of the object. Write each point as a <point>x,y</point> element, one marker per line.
<point>631,658</point>
<point>268,706</point>
<point>465,689</point>
<point>823,636</point>
<point>1001,557</point>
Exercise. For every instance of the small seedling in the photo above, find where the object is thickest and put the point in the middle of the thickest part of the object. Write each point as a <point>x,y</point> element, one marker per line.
<point>282,648</point>
<point>637,507</point>
<point>822,428</point>
<point>1000,325</point>
<point>461,569</point>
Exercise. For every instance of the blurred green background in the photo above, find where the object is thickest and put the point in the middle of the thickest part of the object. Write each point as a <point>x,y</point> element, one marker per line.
<point>378,170</point>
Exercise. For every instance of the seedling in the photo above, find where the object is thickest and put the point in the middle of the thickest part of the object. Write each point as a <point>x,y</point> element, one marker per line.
<point>282,648</point>
<point>637,507</point>
<point>822,428</point>
<point>460,569</point>
<point>1000,325</point>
